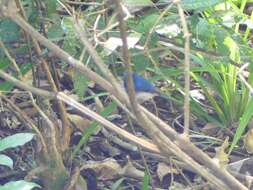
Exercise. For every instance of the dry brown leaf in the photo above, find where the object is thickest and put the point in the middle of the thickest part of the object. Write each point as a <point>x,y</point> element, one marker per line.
<point>109,169</point>
<point>210,129</point>
<point>79,122</point>
<point>106,170</point>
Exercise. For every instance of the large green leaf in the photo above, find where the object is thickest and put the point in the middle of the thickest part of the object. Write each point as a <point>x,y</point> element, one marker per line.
<point>19,185</point>
<point>199,4</point>
<point>204,29</point>
<point>145,24</point>
<point>51,6</point>
<point>15,140</point>
<point>6,161</point>
<point>9,31</point>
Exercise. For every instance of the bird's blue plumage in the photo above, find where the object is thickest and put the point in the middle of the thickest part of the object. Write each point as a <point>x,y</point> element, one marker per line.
<point>140,84</point>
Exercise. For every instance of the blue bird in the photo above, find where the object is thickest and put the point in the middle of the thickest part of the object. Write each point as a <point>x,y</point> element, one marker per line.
<point>143,88</point>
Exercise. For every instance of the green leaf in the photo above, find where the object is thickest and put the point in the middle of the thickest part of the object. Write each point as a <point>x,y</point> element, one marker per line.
<point>29,8</point>
<point>51,6</point>
<point>4,62</point>
<point>9,31</point>
<point>233,48</point>
<point>220,36</point>
<point>67,26</point>
<point>15,140</point>
<point>116,185</point>
<point>6,161</point>
<point>80,83</point>
<point>145,182</point>
<point>70,46</point>
<point>199,4</point>
<point>141,62</point>
<point>135,3</point>
<point>145,23</point>
<point>242,124</point>
<point>25,68</point>
<point>204,28</point>
<point>19,185</point>
<point>55,31</point>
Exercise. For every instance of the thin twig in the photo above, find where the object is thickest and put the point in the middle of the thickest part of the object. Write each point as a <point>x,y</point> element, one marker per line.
<point>12,60</point>
<point>186,69</point>
<point>25,86</point>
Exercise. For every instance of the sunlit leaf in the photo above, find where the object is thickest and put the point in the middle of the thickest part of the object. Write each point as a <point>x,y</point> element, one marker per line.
<point>113,42</point>
<point>9,31</point>
<point>233,48</point>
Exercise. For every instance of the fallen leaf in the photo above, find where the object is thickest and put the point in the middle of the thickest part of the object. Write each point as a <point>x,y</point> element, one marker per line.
<point>106,170</point>
<point>80,123</point>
